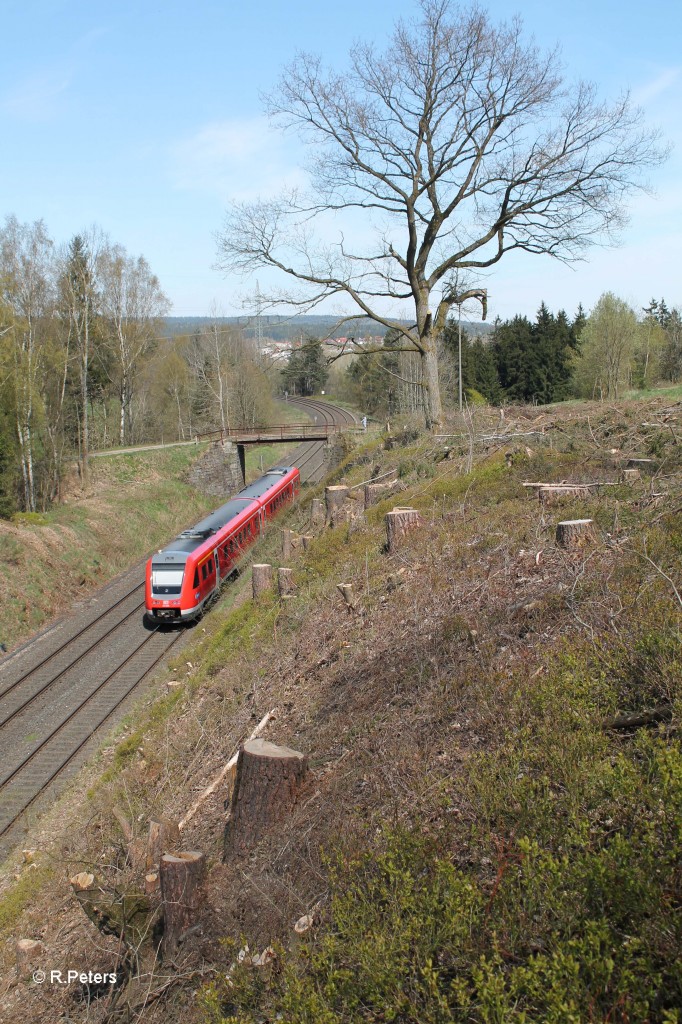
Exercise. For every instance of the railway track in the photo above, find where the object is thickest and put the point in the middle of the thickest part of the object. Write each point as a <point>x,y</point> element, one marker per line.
<point>59,691</point>
<point>309,456</point>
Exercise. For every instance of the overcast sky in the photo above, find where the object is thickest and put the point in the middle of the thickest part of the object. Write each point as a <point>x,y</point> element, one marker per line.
<point>146,118</point>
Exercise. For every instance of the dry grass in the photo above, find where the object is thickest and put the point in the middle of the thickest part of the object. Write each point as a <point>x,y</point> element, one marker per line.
<point>391,702</point>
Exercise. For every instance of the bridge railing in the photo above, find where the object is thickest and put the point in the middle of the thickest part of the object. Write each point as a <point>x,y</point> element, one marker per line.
<point>282,432</point>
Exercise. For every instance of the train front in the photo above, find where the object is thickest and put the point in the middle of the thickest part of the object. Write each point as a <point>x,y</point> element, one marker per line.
<point>163,586</point>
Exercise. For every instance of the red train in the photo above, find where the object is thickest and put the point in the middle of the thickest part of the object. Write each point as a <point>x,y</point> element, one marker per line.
<point>186,574</point>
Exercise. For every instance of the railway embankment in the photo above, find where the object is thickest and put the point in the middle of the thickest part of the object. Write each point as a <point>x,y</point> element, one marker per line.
<point>50,560</point>
<point>487,708</point>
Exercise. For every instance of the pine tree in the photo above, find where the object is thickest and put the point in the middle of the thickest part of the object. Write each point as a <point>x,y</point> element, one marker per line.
<point>306,370</point>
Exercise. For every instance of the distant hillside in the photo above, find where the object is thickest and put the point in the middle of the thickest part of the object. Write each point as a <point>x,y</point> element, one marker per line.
<point>286,328</point>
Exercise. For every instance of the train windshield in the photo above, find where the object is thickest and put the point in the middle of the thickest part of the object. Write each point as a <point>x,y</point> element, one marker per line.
<point>167,579</point>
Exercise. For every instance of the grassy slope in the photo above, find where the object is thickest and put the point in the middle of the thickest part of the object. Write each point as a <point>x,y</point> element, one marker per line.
<point>477,845</point>
<point>132,504</point>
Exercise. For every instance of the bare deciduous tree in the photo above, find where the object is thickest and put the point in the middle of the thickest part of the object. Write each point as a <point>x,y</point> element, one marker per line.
<point>27,290</point>
<point>132,304</point>
<point>459,144</point>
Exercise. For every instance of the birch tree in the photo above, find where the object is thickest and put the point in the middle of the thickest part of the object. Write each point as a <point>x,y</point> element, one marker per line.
<point>27,283</point>
<point>607,344</point>
<point>132,304</point>
<point>457,145</point>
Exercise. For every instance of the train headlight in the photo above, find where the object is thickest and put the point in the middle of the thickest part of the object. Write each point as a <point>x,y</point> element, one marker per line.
<point>197,595</point>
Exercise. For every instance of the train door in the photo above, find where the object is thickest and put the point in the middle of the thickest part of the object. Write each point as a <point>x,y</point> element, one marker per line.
<point>217,567</point>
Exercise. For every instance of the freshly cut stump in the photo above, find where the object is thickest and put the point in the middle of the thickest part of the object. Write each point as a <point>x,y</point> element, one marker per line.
<point>261,579</point>
<point>398,524</point>
<point>550,494</point>
<point>27,952</point>
<point>335,498</point>
<point>164,837</point>
<point>285,582</point>
<point>181,879</point>
<point>574,534</point>
<point>375,493</point>
<point>268,781</point>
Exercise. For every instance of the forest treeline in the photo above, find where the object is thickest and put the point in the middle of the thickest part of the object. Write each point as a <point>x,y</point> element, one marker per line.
<point>84,365</point>
<point>546,360</point>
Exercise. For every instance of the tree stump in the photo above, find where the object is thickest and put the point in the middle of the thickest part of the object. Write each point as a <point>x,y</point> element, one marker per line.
<point>307,539</point>
<point>269,779</point>
<point>285,582</point>
<point>334,500</point>
<point>261,579</point>
<point>27,951</point>
<point>550,494</point>
<point>377,492</point>
<point>181,880</point>
<point>125,915</point>
<point>151,882</point>
<point>317,512</point>
<point>574,534</point>
<point>346,591</point>
<point>628,476</point>
<point>398,523</point>
<point>164,837</point>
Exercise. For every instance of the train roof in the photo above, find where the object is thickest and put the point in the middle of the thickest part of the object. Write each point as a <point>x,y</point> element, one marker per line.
<point>264,483</point>
<point>177,551</point>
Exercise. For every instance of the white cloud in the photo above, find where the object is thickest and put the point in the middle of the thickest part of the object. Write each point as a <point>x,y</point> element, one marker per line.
<point>663,81</point>
<point>234,160</point>
<point>36,98</point>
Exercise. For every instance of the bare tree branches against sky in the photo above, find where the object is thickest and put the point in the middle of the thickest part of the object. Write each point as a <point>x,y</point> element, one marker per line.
<point>149,122</point>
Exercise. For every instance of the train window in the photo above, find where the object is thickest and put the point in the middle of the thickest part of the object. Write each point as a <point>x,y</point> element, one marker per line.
<point>196,578</point>
<point>203,570</point>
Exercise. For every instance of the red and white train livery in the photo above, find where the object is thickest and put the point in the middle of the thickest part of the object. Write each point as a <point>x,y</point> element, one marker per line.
<point>186,574</point>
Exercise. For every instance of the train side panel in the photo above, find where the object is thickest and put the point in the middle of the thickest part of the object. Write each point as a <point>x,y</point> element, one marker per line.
<point>204,566</point>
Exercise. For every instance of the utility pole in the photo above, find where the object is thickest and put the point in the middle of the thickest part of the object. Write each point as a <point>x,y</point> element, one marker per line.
<point>259,324</point>
<point>459,353</point>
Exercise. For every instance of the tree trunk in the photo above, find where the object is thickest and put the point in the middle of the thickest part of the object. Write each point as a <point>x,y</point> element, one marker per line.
<point>433,410</point>
<point>398,523</point>
<point>574,534</point>
<point>267,785</point>
<point>549,494</point>
<point>285,582</point>
<point>181,879</point>
<point>164,837</point>
<point>27,952</point>
<point>261,579</point>
<point>334,499</point>
<point>377,492</point>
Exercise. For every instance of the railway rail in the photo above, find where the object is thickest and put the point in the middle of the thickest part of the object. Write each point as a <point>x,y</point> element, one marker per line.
<point>309,456</point>
<point>59,691</point>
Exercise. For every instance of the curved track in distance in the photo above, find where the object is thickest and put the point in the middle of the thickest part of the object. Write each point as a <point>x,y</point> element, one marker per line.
<point>310,456</point>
